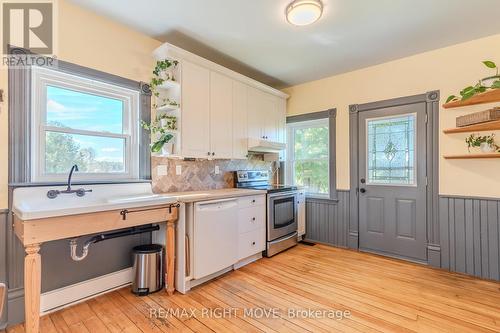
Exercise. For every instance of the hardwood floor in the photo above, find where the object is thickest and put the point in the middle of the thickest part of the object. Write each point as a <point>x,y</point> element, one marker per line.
<point>370,293</point>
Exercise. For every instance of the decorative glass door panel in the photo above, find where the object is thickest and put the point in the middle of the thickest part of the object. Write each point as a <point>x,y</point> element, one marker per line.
<point>391,150</point>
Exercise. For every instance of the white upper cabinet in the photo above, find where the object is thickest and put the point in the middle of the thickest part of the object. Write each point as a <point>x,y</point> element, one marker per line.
<point>220,109</point>
<point>240,123</point>
<point>221,116</point>
<point>266,116</point>
<point>195,110</point>
<point>255,114</point>
<point>281,122</point>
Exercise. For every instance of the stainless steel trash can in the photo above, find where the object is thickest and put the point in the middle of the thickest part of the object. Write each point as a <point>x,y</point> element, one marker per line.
<point>148,269</point>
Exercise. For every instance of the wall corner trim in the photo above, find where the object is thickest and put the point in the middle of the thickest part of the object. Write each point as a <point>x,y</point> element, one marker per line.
<point>433,96</point>
<point>353,108</point>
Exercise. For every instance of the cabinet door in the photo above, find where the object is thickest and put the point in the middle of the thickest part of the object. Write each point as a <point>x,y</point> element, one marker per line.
<point>240,123</point>
<point>281,114</point>
<point>221,115</point>
<point>269,107</point>
<point>195,110</point>
<point>256,115</point>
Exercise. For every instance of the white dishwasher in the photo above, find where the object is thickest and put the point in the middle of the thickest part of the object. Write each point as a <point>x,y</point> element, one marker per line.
<point>215,236</point>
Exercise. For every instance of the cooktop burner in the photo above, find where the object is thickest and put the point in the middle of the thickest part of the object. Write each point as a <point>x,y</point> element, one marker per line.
<point>259,180</point>
<point>270,188</point>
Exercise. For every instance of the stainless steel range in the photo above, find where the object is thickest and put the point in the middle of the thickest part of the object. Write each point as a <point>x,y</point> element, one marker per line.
<point>281,209</point>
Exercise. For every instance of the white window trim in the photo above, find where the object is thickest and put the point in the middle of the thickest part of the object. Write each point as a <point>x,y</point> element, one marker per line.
<point>41,78</point>
<point>290,156</point>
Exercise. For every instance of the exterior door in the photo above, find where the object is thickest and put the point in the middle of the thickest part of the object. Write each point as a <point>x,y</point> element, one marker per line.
<point>392,184</point>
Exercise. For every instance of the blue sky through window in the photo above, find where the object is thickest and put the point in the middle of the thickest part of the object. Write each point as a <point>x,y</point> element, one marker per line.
<point>84,111</point>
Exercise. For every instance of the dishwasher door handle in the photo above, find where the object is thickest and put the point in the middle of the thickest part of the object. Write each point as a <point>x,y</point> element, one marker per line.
<point>216,204</point>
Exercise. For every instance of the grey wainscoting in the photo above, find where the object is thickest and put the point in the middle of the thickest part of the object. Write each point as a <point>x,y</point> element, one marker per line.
<point>470,234</point>
<point>327,221</point>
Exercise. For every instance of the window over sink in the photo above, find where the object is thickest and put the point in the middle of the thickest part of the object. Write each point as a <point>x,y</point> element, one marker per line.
<point>81,121</point>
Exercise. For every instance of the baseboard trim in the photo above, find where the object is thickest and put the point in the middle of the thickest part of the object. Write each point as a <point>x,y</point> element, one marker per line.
<point>247,260</point>
<point>353,240</point>
<point>434,255</point>
<point>63,297</point>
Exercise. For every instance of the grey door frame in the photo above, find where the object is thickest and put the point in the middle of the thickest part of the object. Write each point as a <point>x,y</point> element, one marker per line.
<point>431,99</point>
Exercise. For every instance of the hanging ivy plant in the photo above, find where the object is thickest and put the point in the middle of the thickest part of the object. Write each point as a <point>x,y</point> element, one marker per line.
<point>481,86</point>
<point>161,69</point>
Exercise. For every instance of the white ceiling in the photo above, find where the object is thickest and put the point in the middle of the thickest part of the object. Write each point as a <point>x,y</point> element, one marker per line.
<point>252,36</point>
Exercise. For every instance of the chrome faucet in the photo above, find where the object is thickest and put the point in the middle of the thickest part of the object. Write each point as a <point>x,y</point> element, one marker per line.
<point>52,194</point>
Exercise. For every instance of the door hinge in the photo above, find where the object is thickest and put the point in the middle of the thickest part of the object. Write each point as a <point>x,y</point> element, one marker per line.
<point>426,118</point>
<point>426,181</point>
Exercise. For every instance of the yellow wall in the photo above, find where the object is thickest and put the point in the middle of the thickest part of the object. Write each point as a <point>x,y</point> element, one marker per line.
<point>448,70</point>
<point>93,41</point>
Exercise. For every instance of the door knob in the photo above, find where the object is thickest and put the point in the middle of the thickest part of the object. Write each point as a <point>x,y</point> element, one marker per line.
<point>362,190</point>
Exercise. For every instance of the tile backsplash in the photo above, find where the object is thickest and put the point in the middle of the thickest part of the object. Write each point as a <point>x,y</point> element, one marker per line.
<point>200,174</point>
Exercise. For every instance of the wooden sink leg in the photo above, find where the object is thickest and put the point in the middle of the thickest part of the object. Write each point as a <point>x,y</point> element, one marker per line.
<point>170,258</point>
<point>32,288</point>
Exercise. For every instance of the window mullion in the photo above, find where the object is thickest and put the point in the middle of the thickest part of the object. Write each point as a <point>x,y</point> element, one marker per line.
<point>84,132</point>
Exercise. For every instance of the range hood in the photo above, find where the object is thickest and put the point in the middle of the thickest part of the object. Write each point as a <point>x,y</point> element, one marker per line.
<point>265,146</point>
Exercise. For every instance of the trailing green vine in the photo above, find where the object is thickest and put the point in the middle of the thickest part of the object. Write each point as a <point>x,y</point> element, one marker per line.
<point>161,67</point>
<point>162,130</point>
<point>156,127</point>
<point>481,85</point>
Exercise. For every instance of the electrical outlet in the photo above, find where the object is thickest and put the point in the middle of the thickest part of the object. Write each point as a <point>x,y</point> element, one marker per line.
<point>217,170</point>
<point>162,170</point>
<point>178,170</point>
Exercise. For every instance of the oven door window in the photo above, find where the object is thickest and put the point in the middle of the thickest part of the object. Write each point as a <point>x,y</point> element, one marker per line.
<point>284,212</point>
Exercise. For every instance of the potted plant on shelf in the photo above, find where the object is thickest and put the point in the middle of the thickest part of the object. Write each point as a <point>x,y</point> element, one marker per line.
<point>168,122</point>
<point>486,143</point>
<point>162,72</point>
<point>160,129</point>
<point>167,102</point>
<point>485,84</point>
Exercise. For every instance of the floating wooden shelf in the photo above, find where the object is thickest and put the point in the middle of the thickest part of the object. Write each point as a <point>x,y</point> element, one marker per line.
<point>486,97</point>
<point>489,126</point>
<point>472,156</point>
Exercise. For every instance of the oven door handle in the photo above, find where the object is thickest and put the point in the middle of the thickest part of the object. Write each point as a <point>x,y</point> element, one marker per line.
<point>282,194</point>
<point>284,238</point>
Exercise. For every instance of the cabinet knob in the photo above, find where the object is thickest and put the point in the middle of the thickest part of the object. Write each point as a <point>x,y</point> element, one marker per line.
<point>208,153</point>
<point>253,243</point>
<point>213,154</point>
<point>253,201</point>
<point>253,218</point>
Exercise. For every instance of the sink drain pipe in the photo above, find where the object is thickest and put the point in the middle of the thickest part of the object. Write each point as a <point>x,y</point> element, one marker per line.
<point>73,243</point>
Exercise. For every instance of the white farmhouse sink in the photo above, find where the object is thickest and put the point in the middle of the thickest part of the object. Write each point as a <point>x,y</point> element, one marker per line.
<point>31,203</point>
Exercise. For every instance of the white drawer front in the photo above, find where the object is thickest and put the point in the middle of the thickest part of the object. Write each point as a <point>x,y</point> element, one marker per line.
<point>251,243</point>
<point>251,218</point>
<point>252,201</point>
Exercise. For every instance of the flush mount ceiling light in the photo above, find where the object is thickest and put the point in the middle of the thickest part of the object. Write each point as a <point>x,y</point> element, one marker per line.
<point>304,12</point>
